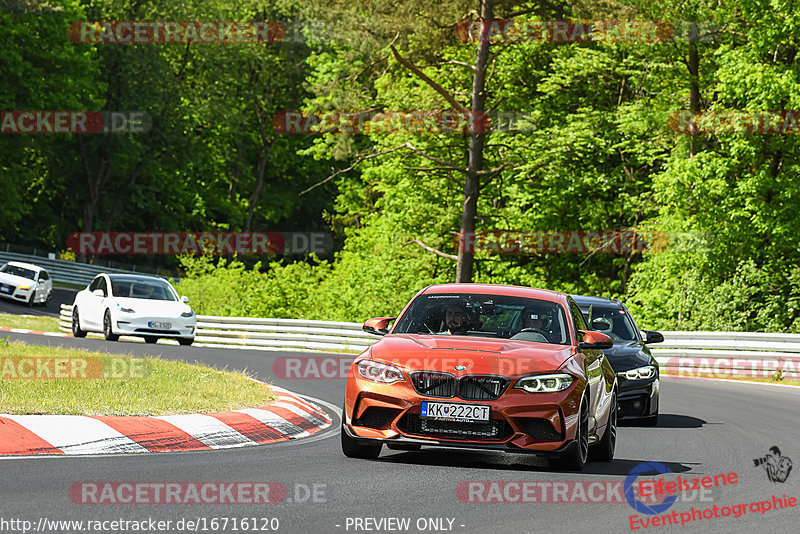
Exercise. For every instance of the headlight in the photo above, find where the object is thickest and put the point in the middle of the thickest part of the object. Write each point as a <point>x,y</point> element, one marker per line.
<point>545,383</point>
<point>189,313</point>
<point>641,373</point>
<point>379,372</point>
<point>126,310</point>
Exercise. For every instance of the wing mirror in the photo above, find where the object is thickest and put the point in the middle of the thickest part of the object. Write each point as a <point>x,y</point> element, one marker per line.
<point>185,299</point>
<point>378,326</point>
<point>651,336</point>
<point>595,340</point>
<point>98,293</point>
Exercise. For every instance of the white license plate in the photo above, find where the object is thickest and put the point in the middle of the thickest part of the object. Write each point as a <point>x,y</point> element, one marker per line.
<point>159,324</point>
<point>454,411</point>
<point>6,289</point>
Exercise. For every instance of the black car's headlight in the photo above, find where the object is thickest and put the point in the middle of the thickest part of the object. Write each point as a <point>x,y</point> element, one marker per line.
<point>545,383</point>
<point>379,372</point>
<point>640,373</point>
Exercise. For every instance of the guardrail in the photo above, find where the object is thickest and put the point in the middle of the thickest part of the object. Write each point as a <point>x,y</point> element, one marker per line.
<point>269,334</point>
<point>722,354</point>
<point>69,272</point>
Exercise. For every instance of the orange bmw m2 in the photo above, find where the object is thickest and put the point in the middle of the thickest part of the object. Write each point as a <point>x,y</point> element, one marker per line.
<point>484,366</point>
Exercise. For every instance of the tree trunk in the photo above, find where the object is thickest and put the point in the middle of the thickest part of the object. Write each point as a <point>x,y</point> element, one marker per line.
<point>469,210</point>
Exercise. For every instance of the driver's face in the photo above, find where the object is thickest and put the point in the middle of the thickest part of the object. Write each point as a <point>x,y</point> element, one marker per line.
<point>454,318</point>
<point>533,323</point>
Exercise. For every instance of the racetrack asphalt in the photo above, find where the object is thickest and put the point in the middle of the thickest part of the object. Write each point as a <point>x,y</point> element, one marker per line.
<point>52,309</point>
<point>707,428</point>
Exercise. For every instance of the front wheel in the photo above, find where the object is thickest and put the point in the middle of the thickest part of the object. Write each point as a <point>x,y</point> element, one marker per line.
<point>150,339</point>
<point>186,341</point>
<point>604,450</point>
<point>76,324</point>
<point>108,332</point>
<point>575,458</point>
<point>353,449</point>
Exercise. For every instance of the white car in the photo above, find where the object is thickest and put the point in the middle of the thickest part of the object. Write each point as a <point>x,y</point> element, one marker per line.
<point>133,305</point>
<point>25,282</point>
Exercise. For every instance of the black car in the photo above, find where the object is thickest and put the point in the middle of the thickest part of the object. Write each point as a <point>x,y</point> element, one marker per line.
<point>637,370</point>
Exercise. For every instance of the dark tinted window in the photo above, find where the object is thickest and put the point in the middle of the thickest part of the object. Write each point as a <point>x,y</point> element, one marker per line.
<point>18,271</point>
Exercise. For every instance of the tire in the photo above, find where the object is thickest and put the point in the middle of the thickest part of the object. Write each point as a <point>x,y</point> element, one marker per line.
<point>185,341</point>
<point>150,339</point>
<point>352,449</point>
<point>575,458</point>
<point>30,302</point>
<point>76,324</point>
<point>604,449</point>
<point>49,298</point>
<point>108,330</point>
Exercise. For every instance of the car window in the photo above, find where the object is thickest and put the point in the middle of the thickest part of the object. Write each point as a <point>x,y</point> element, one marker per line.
<point>43,275</point>
<point>614,322</point>
<point>95,284</point>
<point>493,316</point>
<point>18,271</point>
<point>142,289</point>
<point>103,286</point>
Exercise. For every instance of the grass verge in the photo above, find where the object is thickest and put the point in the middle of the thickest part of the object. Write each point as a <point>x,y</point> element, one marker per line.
<point>29,322</point>
<point>54,380</point>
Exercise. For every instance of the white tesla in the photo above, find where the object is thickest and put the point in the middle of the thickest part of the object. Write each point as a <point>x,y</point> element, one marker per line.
<point>133,305</point>
<point>25,282</point>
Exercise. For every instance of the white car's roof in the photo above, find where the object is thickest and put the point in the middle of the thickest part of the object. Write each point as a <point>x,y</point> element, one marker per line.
<point>26,265</point>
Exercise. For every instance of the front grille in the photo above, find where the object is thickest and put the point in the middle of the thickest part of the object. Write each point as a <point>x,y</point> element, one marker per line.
<point>471,387</point>
<point>482,387</point>
<point>494,429</point>
<point>156,331</point>
<point>377,417</point>
<point>539,428</point>
<point>434,384</point>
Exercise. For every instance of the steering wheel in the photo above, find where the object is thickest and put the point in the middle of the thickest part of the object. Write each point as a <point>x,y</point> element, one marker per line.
<point>537,331</point>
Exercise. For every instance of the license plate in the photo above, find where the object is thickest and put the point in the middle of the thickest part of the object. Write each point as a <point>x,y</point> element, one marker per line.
<point>159,324</point>
<point>444,411</point>
<point>6,289</point>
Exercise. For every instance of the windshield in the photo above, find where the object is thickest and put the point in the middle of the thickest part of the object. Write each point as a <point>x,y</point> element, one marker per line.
<point>142,289</point>
<point>613,322</point>
<point>18,271</point>
<point>495,316</point>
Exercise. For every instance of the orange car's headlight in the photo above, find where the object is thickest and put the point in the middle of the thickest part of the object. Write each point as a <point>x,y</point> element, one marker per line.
<point>545,383</point>
<point>379,372</point>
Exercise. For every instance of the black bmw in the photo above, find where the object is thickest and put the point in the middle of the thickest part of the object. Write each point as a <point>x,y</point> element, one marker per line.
<point>637,370</point>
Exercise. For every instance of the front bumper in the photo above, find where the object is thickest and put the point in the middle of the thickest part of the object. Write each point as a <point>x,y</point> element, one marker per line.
<point>180,327</point>
<point>638,398</point>
<point>13,292</point>
<point>539,423</point>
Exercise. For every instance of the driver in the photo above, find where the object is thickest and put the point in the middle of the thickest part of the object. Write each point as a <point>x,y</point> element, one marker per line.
<point>534,321</point>
<point>454,319</point>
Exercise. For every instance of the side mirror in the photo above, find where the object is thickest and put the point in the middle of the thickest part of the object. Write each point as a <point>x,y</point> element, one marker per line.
<point>378,326</point>
<point>601,324</point>
<point>98,293</point>
<point>185,299</point>
<point>651,336</point>
<point>595,340</point>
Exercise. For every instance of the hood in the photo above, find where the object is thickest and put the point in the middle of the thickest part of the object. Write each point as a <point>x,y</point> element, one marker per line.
<point>153,307</point>
<point>629,355</point>
<point>443,353</point>
<point>13,279</point>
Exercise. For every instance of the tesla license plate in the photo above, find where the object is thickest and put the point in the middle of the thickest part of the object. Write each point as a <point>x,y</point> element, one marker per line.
<point>159,324</point>
<point>444,411</point>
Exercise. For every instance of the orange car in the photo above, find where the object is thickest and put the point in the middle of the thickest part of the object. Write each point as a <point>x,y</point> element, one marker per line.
<point>484,367</point>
